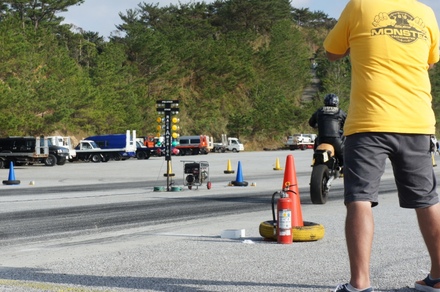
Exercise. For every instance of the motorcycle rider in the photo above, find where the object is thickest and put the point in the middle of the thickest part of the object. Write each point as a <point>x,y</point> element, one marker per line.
<point>330,120</point>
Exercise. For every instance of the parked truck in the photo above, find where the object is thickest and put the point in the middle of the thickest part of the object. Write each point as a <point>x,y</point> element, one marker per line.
<point>228,144</point>
<point>107,147</point>
<point>62,141</point>
<point>28,150</point>
<point>301,141</point>
<point>155,145</point>
<point>60,153</point>
<point>194,145</point>
<point>142,151</point>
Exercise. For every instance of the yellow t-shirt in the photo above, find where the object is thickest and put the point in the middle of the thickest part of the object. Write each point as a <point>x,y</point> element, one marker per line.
<point>391,43</point>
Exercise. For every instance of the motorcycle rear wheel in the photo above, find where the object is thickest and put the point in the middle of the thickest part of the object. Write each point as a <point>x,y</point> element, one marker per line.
<point>318,184</point>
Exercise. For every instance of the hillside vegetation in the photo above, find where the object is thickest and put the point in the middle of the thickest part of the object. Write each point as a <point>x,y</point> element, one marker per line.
<point>237,67</point>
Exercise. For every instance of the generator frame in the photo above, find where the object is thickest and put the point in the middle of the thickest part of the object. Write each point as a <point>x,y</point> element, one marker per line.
<point>195,174</point>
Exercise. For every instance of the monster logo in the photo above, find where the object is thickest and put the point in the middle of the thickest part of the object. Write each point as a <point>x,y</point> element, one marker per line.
<point>401,26</point>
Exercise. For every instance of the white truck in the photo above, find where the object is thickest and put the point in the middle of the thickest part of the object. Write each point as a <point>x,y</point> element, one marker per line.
<point>228,144</point>
<point>301,141</point>
<point>115,147</point>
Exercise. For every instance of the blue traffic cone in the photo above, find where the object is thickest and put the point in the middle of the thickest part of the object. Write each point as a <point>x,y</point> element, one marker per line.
<point>11,178</point>
<point>239,182</point>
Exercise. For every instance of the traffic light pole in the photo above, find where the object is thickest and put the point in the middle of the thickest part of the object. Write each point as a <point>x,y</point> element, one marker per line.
<point>167,108</point>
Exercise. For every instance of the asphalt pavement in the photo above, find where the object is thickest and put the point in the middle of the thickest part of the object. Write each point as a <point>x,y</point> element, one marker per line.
<point>192,255</point>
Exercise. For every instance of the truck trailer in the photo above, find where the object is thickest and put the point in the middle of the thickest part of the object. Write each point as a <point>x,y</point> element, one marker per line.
<point>107,147</point>
<point>28,150</point>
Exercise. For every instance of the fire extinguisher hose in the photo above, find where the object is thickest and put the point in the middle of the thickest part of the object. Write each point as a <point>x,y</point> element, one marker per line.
<point>273,206</point>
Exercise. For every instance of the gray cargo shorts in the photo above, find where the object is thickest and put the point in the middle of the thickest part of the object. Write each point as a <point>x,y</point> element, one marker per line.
<point>365,156</point>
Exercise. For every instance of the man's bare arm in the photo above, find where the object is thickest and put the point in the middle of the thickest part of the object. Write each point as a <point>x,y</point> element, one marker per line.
<point>334,57</point>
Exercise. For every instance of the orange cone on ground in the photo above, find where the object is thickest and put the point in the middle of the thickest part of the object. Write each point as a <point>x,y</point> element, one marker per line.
<point>290,185</point>
<point>229,167</point>
<point>277,165</point>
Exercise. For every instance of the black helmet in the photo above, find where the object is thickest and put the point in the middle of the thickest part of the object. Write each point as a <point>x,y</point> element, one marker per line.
<point>331,99</point>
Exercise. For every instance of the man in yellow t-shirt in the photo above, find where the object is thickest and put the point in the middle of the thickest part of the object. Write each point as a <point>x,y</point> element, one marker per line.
<point>391,44</point>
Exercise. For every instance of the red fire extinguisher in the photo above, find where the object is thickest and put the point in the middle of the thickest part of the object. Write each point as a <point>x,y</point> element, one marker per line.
<point>284,219</point>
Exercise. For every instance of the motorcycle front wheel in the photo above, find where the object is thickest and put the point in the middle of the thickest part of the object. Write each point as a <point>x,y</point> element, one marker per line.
<point>318,184</point>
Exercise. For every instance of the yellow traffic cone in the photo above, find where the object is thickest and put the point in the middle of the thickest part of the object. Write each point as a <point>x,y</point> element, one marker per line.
<point>229,167</point>
<point>277,165</point>
<point>169,170</point>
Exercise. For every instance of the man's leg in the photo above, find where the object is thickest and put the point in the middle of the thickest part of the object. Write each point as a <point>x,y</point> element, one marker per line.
<point>429,222</point>
<point>359,228</point>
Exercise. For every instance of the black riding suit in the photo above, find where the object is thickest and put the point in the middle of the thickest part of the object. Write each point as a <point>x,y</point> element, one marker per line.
<point>330,123</point>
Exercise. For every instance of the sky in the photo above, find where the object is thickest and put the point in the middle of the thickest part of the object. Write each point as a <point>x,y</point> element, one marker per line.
<point>103,15</point>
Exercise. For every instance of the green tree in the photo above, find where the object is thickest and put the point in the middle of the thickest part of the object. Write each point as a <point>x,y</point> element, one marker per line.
<point>251,15</point>
<point>237,67</point>
<point>36,12</point>
<point>335,78</point>
<point>115,99</point>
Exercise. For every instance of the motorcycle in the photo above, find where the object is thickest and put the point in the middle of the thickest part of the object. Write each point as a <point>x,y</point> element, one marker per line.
<point>325,170</point>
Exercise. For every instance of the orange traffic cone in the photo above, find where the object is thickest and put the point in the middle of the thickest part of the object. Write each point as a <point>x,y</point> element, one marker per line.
<point>239,182</point>
<point>277,165</point>
<point>290,184</point>
<point>229,167</point>
<point>11,178</point>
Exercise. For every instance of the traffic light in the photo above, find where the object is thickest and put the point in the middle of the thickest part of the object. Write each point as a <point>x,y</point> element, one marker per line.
<point>160,126</point>
<point>168,108</point>
<point>168,124</point>
<point>175,127</point>
<point>175,131</point>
